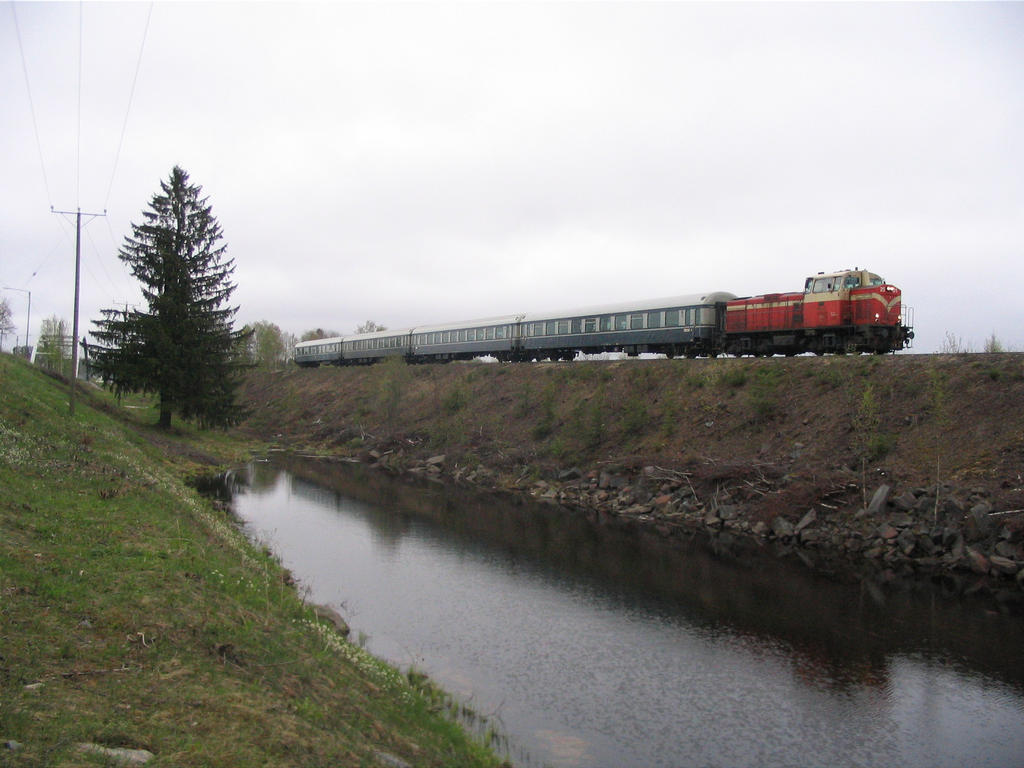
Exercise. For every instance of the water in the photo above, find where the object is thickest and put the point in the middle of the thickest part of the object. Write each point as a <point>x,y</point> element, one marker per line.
<point>597,647</point>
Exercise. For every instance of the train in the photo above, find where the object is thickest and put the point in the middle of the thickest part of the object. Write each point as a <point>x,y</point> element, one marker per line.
<point>842,312</point>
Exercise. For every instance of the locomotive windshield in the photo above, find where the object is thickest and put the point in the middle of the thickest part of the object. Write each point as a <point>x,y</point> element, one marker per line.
<point>841,281</point>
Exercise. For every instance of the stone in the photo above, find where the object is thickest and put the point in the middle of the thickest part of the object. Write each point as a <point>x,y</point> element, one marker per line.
<point>901,520</point>
<point>611,481</point>
<point>760,528</point>
<point>980,515</point>
<point>436,461</point>
<point>390,761</point>
<point>1006,549</point>
<point>1003,565</point>
<point>808,519</point>
<point>809,535</point>
<point>878,500</point>
<point>728,511</point>
<point>117,755</point>
<point>905,501</point>
<point>977,562</point>
<point>781,527</point>
<point>326,612</point>
<point>952,508</point>
<point>906,541</point>
<point>573,473</point>
<point>887,532</point>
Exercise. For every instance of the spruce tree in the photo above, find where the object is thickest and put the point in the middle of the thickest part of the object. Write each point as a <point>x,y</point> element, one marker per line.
<point>182,347</point>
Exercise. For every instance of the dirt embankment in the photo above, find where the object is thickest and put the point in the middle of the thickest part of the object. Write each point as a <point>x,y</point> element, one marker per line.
<point>908,463</point>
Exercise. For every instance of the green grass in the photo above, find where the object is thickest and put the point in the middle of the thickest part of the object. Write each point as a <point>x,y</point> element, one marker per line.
<point>134,614</point>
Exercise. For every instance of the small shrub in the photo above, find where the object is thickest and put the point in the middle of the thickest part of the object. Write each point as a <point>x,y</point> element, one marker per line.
<point>763,393</point>
<point>546,424</point>
<point>455,399</point>
<point>634,415</point>
<point>735,377</point>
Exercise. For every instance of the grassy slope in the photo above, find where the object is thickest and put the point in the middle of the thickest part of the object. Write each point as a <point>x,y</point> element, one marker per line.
<point>133,614</point>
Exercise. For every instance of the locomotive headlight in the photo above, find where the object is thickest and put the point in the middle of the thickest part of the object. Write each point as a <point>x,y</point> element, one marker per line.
<point>877,315</point>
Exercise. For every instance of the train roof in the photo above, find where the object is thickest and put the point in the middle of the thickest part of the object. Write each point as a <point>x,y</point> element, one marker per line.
<point>317,342</point>
<point>666,302</point>
<point>482,322</point>
<point>687,300</point>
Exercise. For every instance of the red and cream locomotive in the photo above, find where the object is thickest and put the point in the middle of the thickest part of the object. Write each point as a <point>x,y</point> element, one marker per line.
<point>849,311</point>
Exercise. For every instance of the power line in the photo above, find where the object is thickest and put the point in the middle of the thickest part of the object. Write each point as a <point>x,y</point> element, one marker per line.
<point>31,106</point>
<point>78,158</point>
<point>131,97</point>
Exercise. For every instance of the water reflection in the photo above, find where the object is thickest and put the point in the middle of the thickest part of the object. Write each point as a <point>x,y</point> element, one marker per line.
<point>598,646</point>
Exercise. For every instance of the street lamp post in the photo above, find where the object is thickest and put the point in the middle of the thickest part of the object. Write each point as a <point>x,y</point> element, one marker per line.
<point>28,320</point>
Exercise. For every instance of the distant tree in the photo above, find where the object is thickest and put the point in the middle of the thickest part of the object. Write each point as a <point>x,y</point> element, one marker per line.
<point>267,347</point>
<point>954,345</point>
<point>289,344</point>
<point>992,344</point>
<point>318,333</point>
<point>370,327</point>
<point>6,320</point>
<point>54,349</point>
<point>182,347</point>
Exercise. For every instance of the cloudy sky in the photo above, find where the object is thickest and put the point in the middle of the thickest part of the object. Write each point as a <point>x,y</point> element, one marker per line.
<point>424,162</point>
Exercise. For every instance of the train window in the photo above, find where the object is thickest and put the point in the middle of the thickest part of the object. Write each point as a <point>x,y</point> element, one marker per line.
<point>654,319</point>
<point>706,316</point>
<point>590,325</point>
<point>606,322</point>
<point>621,322</point>
<point>563,326</point>
<point>852,281</point>
<point>549,330</point>
<point>471,334</point>
<point>824,285</point>
<point>671,318</point>
<point>636,322</point>
<point>489,333</point>
<point>499,332</point>
<point>576,325</point>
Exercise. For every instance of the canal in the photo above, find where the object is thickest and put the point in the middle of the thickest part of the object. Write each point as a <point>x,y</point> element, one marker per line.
<point>593,646</point>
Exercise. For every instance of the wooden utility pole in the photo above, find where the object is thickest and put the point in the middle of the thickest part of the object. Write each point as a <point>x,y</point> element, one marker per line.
<point>78,272</point>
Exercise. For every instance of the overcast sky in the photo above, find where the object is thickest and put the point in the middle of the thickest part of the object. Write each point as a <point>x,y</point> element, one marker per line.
<point>415,163</point>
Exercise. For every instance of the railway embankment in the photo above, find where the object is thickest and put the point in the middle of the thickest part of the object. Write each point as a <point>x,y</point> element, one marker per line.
<point>889,467</point>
